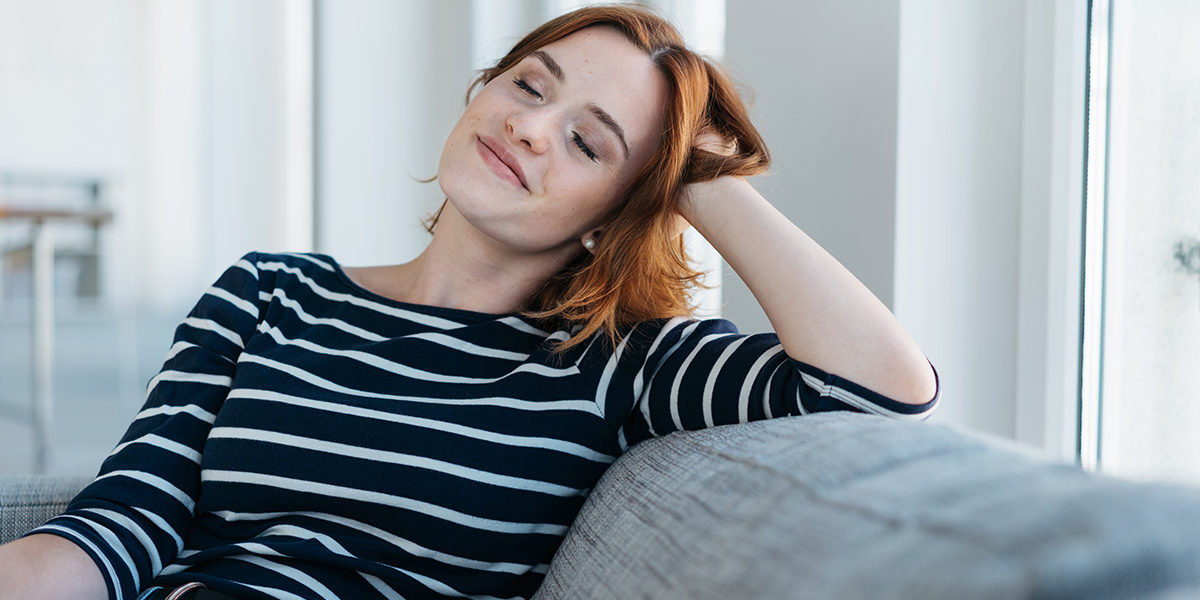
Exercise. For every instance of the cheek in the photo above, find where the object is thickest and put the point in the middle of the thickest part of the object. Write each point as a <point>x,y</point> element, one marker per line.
<point>584,200</point>
<point>457,153</point>
<point>457,137</point>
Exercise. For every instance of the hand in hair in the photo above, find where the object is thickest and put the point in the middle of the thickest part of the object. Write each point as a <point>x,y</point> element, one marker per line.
<point>711,141</point>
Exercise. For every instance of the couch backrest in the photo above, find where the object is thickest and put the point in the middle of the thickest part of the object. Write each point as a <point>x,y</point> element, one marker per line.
<point>842,505</point>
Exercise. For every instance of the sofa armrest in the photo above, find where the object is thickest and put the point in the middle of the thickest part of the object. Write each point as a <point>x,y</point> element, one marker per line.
<point>847,506</point>
<point>29,501</point>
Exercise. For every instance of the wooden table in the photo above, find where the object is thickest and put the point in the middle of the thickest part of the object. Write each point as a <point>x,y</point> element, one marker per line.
<point>43,309</point>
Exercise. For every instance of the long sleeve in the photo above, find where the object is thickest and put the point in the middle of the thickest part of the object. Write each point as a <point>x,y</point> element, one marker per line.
<point>131,520</point>
<point>686,375</point>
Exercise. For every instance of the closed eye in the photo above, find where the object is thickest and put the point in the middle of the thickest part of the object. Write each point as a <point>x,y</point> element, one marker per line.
<point>528,89</point>
<point>583,147</point>
<point>575,137</point>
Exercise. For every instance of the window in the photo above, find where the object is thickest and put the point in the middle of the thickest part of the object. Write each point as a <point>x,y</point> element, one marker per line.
<point>1140,408</point>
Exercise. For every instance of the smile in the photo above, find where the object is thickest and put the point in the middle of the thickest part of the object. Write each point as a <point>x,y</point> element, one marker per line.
<point>501,161</point>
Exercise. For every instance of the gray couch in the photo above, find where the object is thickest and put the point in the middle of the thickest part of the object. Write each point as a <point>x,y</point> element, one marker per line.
<point>841,505</point>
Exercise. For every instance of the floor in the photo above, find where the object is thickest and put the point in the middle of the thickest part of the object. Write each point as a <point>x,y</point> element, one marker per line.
<point>103,359</point>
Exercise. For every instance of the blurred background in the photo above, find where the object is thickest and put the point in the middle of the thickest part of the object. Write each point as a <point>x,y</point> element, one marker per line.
<point>959,156</point>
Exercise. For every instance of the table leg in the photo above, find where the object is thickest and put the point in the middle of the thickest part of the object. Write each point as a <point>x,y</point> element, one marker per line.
<point>43,343</point>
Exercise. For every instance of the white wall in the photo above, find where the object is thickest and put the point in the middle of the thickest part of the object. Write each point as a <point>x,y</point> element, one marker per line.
<point>248,141</point>
<point>392,76</point>
<point>225,141</point>
<point>1047,378</point>
<point>958,199</point>
<point>70,103</point>
<point>988,209</point>
<point>902,144</point>
<point>170,230</point>
<point>823,76</point>
<point>68,85</point>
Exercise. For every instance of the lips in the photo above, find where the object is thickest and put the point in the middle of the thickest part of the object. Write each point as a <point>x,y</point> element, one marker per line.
<point>502,162</point>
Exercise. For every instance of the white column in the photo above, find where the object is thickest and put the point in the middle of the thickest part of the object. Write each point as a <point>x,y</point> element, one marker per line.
<point>298,123</point>
<point>392,76</point>
<point>173,234</point>
<point>1050,227</point>
<point>958,190</point>
<point>257,127</point>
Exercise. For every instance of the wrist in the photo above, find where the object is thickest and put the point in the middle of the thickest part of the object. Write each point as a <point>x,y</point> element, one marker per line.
<point>699,199</point>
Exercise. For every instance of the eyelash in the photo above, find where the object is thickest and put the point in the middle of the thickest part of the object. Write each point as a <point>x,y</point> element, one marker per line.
<point>575,137</point>
<point>582,146</point>
<point>528,89</point>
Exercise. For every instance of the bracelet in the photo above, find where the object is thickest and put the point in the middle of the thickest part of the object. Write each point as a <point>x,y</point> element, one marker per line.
<point>185,588</point>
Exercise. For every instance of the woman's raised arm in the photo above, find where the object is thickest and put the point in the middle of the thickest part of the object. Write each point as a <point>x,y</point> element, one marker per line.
<point>823,315</point>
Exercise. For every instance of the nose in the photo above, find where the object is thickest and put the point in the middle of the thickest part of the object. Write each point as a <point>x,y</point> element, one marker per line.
<point>530,128</point>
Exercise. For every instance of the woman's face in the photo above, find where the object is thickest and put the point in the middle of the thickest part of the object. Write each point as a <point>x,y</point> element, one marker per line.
<point>542,152</point>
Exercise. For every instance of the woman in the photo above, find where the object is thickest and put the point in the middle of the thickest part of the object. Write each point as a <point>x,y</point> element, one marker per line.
<point>431,429</point>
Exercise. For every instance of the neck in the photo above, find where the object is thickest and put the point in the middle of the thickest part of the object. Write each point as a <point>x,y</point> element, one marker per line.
<point>462,269</point>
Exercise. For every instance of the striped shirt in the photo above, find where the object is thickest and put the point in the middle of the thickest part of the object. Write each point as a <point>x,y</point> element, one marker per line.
<point>307,438</point>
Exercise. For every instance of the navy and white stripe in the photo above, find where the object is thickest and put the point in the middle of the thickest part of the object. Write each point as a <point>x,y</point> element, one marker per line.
<point>309,439</point>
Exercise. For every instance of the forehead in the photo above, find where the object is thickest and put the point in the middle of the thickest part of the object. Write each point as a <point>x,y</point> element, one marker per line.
<point>601,66</point>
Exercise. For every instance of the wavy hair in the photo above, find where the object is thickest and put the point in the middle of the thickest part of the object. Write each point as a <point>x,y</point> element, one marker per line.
<point>639,268</point>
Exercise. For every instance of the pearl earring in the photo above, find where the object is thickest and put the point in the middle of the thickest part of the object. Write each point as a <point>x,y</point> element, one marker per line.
<point>589,243</point>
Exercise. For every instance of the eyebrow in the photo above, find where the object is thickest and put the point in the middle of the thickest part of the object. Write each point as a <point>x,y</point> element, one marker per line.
<point>611,124</point>
<point>550,63</point>
<point>599,113</point>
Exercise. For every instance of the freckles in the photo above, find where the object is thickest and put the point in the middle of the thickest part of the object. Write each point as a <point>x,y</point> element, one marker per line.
<point>469,118</point>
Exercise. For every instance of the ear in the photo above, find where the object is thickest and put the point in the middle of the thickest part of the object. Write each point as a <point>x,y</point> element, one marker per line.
<point>591,239</point>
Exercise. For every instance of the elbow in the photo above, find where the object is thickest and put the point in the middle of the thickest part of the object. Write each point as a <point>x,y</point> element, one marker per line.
<point>920,385</point>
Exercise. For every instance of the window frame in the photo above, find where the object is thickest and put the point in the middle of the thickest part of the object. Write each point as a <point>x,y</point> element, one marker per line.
<point>1050,309</point>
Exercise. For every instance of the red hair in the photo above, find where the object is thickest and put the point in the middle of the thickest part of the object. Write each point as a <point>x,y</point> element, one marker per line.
<point>639,269</point>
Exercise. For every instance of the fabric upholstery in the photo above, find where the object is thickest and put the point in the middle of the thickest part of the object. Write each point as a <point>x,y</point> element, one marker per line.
<point>840,505</point>
<point>29,501</point>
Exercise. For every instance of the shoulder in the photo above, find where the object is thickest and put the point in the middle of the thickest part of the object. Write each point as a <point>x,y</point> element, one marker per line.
<point>682,330</point>
<point>302,261</point>
<point>268,266</point>
<point>257,275</point>
<point>652,340</point>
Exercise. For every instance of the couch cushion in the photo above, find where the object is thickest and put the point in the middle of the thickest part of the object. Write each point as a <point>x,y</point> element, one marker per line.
<point>842,505</point>
<point>28,501</point>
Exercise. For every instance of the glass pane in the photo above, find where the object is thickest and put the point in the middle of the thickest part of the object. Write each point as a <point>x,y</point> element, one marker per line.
<point>1151,363</point>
